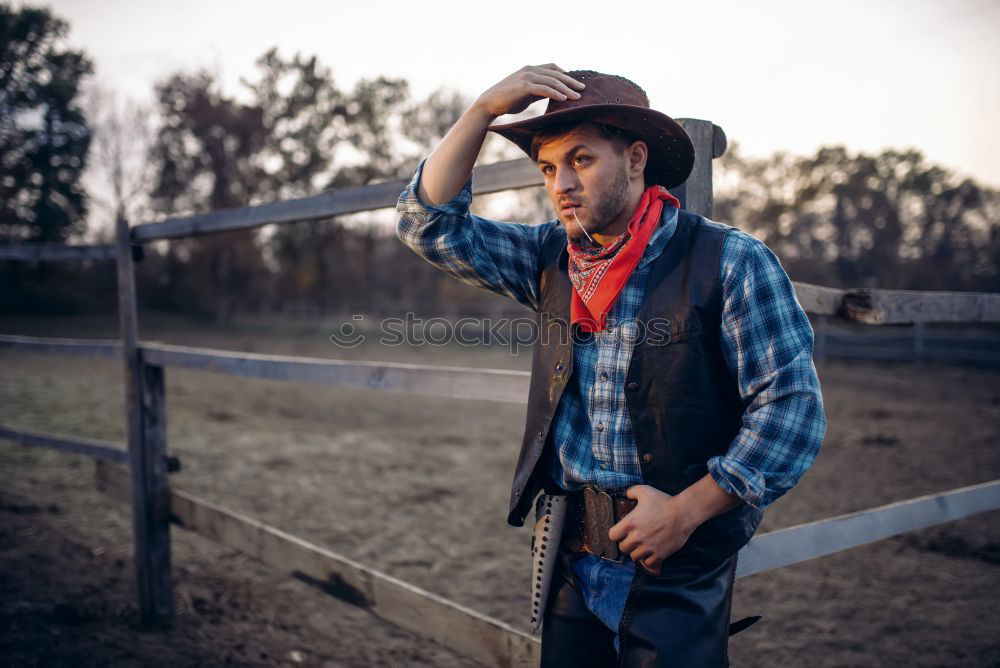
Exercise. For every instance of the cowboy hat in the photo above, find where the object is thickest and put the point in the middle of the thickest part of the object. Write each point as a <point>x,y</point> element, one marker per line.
<point>618,102</point>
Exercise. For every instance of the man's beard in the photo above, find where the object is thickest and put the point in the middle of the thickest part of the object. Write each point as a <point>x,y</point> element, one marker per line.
<point>607,207</point>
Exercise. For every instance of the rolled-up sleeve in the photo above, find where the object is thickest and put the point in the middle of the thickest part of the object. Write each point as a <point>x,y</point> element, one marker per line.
<point>768,345</point>
<point>497,256</point>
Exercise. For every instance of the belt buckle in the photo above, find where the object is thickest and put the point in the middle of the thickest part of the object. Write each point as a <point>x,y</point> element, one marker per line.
<point>599,517</point>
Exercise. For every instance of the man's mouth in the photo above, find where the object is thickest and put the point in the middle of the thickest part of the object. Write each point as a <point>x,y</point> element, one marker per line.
<point>568,208</point>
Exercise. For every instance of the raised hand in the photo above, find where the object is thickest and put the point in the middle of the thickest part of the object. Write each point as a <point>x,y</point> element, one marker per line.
<point>451,161</point>
<point>514,93</point>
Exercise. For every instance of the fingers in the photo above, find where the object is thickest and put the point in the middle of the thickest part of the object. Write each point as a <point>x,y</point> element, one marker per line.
<point>640,552</point>
<point>542,90</point>
<point>618,531</point>
<point>554,72</point>
<point>552,83</point>
<point>630,545</point>
<point>561,73</point>
<point>651,566</point>
<point>569,81</point>
<point>629,540</point>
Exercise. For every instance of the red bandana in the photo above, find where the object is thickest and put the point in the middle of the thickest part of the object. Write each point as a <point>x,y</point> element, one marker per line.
<point>599,274</point>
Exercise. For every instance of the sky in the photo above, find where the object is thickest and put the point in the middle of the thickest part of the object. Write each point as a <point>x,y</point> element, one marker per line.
<point>777,75</point>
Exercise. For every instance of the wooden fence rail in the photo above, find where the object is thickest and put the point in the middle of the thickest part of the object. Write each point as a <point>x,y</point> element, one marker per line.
<point>101,450</point>
<point>47,252</point>
<point>423,379</point>
<point>907,343</point>
<point>105,348</point>
<point>520,173</point>
<point>439,381</point>
<point>836,534</point>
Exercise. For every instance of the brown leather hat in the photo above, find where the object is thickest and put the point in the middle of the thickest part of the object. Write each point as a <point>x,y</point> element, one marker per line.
<point>616,101</point>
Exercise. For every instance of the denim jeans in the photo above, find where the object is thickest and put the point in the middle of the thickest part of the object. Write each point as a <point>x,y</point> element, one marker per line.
<point>604,585</point>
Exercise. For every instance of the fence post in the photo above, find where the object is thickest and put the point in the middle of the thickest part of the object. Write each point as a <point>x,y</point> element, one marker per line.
<point>709,142</point>
<point>145,427</point>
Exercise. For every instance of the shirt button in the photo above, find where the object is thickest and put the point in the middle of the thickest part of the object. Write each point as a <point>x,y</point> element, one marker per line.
<point>648,457</point>
<point>600,426</point>
<point>632,387</point>
<point>604,377</point>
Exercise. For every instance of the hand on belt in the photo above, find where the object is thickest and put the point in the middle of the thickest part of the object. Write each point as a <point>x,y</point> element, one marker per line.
<point>592,513</point>
<point>589,517</point>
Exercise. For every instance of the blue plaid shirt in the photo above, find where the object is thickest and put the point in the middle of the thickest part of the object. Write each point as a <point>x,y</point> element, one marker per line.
<point>766,338</point>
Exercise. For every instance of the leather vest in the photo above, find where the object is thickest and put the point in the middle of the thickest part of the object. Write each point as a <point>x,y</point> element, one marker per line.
<point>681,396</point>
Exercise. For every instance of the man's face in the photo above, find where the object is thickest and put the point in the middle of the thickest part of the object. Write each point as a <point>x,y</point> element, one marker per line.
<point>587,174</point>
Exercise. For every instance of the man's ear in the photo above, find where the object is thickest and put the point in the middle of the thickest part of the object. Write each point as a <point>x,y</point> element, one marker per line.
<point>637,154</point>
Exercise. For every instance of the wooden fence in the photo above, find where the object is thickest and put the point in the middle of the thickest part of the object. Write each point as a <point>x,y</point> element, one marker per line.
<point>155,505</point>
<point>909,343</point>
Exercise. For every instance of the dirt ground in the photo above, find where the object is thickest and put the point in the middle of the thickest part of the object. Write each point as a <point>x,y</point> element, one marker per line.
<point>417,487</point>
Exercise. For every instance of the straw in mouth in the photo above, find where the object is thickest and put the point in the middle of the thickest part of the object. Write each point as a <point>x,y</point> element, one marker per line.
<point>581,225</point>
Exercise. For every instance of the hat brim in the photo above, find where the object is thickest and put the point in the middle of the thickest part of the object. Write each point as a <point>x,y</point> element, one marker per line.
<point>671,152</point>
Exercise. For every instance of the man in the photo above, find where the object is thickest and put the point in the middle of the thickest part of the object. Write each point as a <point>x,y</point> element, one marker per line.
<point>673,394</point>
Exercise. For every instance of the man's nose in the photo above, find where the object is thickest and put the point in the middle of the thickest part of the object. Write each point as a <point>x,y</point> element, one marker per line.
<point>565,181</point>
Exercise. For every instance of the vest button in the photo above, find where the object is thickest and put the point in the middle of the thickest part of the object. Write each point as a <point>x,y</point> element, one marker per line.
<point>632,387</point>
<point>541,435</point>
<point>648,457</point>
<point>559,366</point>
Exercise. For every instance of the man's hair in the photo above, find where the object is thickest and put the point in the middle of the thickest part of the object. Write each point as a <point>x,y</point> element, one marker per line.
<point>557,130</point>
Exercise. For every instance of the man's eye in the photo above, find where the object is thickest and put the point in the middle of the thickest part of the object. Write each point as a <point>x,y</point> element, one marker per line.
<point>582,157</point>
<point>546,169</point>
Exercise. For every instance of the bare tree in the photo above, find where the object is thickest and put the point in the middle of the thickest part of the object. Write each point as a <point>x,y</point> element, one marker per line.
<point>119,172</point>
